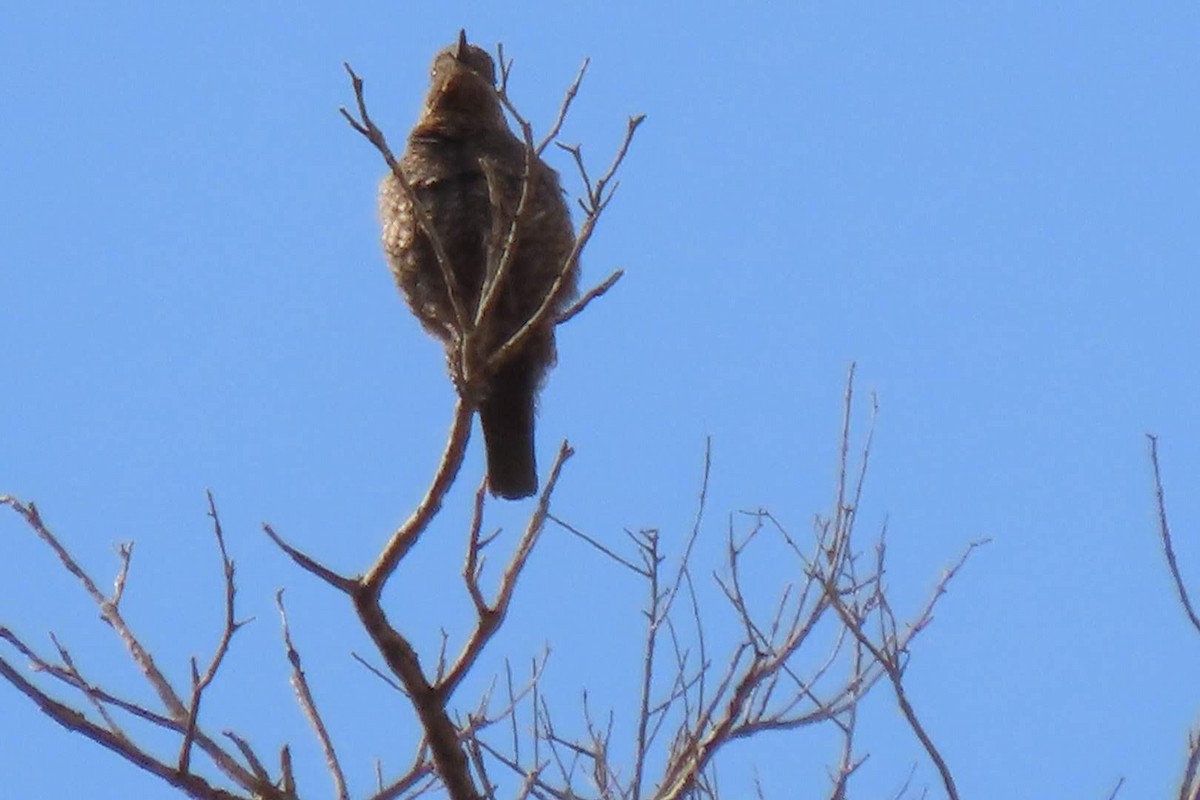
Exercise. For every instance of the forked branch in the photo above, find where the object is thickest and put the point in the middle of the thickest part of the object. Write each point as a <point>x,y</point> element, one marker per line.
<point>177,717</point>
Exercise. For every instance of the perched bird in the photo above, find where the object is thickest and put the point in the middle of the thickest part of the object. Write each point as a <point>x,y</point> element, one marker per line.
<point>465,168</point>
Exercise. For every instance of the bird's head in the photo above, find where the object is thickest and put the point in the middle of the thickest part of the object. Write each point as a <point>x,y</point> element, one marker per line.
<point>463,85</point>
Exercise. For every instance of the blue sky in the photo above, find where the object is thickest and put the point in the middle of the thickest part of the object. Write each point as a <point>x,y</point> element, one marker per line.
<point>990,207</point>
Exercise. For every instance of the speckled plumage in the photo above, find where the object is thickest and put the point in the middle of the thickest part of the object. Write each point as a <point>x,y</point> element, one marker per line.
<point>460,140</point>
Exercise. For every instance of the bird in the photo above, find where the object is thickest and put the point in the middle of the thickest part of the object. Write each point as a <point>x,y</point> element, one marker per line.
<point>466,169</point>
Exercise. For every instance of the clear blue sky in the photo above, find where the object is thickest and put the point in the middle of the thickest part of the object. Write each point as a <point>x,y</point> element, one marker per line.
<point>991,207</point>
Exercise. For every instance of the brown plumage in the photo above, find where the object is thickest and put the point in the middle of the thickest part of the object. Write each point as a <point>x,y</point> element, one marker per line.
<point>465,167</point>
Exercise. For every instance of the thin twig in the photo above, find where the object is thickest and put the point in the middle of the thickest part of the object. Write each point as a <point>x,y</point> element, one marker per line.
<point>654,617</point>
<point>71,677</point>
<point>366,126</point>
<point>378,673</point>
<point>72,720</point>
<point>497,273</point>
<point>310,564</point>
<point>1189,787</point>
<point>408,533</point>
<point>1165,532</point>
<point>490,617</point>
<point>251,757</point>
<point>564,108</point>
<point>309,706</point>
<point>596,291</point>
<point>596,544</point>
<point>421,769</point>
<point>888,655</point>
<point>109,611</point>
<point>125,553</point>
<point>596,203</point>
<point>200,683</point>
<point>449,757</point>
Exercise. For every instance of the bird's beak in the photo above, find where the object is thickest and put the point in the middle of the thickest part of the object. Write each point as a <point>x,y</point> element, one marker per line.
<point>460,52</point>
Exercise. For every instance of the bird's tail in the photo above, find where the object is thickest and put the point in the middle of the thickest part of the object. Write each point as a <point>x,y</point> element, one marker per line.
<point>507,419</point>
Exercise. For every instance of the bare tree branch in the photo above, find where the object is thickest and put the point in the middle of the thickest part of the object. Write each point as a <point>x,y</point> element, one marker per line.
<point>108,611</point>
<point>310,564</point>
<point>597,545</point>
<point>564,107</point>
<point>421,770</point>
<point>260,772</point>
<point>806,655</point>
<point>1189,787</point>
<point>200,683</point>
<point>365,126</point>
<point>177,717</point>
<point>309,705</point>
<point>490,617</point>
<point>440,731</point>
<point>407,534</point>
<point>93,697</point>
<point>594,205</point>
<point>72,720</point>
<point>596,291</point>
<point>890,655</point>
<point>1165,532</point>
